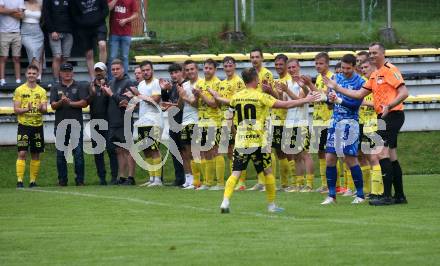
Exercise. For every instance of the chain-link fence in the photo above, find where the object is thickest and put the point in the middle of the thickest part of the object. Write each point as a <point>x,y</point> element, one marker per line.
<point>311,21</point>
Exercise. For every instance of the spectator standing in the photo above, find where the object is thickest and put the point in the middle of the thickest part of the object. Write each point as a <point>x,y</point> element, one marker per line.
<point>11,12</point>
<point>67,99</point>
<point>90,19</point>
<point>98,110</point>
<point>170,98</point>
<point>122,13</point>
<point>32,36</point>
<point>117,105</point>
<point>59,25</point>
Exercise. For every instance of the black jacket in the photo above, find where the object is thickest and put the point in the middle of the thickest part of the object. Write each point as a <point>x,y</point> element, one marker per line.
<point>115,113</point>
<point>56,16</point>
<point>89,13</point>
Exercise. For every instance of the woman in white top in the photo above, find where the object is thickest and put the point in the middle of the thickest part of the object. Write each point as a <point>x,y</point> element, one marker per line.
<point>32,36</point>
<point>297,136</point>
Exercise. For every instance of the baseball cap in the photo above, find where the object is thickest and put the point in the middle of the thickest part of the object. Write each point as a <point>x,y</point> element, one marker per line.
<point>66,67</point>
<point>100,65</point>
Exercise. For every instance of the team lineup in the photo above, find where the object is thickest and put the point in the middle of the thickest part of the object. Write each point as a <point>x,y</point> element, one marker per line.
<point>357,115</point>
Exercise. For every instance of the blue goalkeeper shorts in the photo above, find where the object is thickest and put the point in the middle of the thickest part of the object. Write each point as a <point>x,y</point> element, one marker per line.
<point>343,138</point>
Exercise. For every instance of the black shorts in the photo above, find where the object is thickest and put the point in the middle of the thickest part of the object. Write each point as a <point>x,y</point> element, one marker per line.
<point>208,136</point>
<point>394,122</point>
<point>277,136</point>
<point>30,138</point>
<point>261,160</point>
<point>90,37</point>
<point>186,134</point>
<point>299,142</point>
<point>151,136</point>
<point>323,140</point>
<point>116,134</point>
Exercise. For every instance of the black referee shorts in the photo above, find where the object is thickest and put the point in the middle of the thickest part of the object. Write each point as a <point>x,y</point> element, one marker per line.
<point>394,122</point>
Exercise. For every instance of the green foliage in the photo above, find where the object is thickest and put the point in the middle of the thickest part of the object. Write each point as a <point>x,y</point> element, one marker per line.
<point>287,22</point>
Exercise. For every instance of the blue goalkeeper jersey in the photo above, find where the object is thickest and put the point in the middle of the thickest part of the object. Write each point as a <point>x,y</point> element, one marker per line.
<point>349,108</point>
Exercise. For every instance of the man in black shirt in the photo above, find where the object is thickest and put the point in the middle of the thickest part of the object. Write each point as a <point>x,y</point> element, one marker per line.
<point>90,19</point>
<point>58,24</point>
<point>117,104</point>
<point>67,99</point>
<point>170,97</point>
<point>98,110</point>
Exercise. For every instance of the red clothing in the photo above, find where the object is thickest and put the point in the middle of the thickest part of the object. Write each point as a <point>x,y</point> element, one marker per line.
<point>123,9</point>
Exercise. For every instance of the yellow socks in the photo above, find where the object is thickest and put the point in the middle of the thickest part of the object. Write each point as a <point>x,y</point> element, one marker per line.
<point>34,169</point>
<point>270,188</point>
<point>376,180</point>
<point>195,169</point>
<point>274,163</point>
<point>220,170</point>
<point>299,180</point>
<point>210,171</point>
<point>348,179</point>
<point>149,160</point>
<point>20,168</point>
<point>203,169</point>
<point>309,180</point>
<point>156,162</point>
<point>366,178</point>
<point>322,169</point>
<point>284,172</point>
<point>229,188</point>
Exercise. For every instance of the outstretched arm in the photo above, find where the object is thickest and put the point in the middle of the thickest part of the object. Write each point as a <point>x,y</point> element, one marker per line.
<point>312,97</point>
<point>356,94</point>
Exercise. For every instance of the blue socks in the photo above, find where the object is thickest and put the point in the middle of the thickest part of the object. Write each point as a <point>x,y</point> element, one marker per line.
<point>331,174</point>
<point>356,173</point>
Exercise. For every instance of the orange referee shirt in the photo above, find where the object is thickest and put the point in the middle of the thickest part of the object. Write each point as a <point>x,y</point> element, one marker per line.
<point>384,83</point>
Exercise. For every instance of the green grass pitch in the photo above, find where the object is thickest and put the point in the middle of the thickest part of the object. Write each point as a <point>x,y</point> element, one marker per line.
<point>95,225</point>
<point>167,226</point>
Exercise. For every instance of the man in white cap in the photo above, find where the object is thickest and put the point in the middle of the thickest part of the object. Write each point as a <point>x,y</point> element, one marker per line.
<point>98,110</point>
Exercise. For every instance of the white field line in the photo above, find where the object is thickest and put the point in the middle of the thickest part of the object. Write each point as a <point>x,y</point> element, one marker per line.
<point>211,210</point>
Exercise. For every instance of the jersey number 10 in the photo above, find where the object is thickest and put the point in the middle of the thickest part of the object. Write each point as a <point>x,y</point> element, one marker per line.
<point>248,112</point>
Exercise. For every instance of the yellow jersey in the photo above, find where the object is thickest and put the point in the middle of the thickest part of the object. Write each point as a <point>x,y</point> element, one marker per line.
<point>229,87</point>
<point>321,112</point>
<point>251,109</point>
<point>208,116</point>
<point>264,75</point>
<point>279,115</point>
<point>36,96</point>
<point>367,116</point>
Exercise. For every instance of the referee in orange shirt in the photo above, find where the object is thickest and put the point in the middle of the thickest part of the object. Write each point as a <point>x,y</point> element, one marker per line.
<point>389,92</point>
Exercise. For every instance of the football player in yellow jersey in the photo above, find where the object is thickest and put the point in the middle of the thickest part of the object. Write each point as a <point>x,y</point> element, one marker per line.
<point>251,107</point>
<point>264,74</point>
<point>30,103</point>
<point>228,87</point>
<point>264,77</point>
<point>209,122</point>
<point>322,114</point>
<point>278,117</point>
<point>370,126</point>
